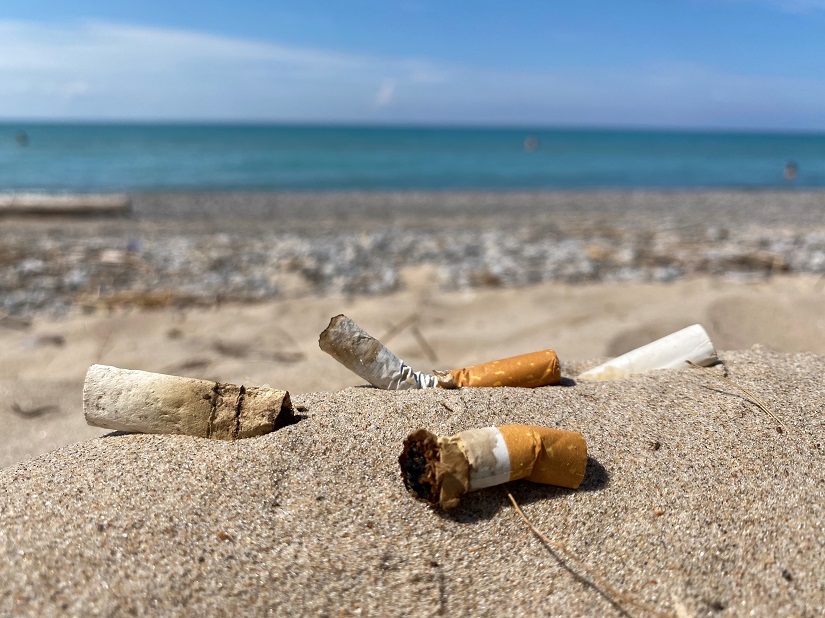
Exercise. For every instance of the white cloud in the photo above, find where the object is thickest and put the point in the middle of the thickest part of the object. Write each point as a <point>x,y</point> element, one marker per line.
<point>132,71</point>
<point>96,70</point>
<point>385,93</point>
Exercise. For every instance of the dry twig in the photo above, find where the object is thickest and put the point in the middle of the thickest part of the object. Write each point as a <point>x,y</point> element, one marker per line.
<point>752,398</point>
<point>586,575</point>
<point>424,344</point>
<point>396,328</point>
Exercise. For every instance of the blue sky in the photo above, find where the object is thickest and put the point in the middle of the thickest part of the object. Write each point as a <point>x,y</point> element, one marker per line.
<point>727,64</point>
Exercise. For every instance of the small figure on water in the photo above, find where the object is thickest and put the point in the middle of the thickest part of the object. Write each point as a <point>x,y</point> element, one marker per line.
<point>22,138</point>
<point>791,171</point>
<point>531,143</point>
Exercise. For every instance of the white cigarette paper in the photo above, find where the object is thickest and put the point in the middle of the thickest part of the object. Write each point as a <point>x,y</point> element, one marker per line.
<point>367,357</point>
<point>670,352</point>
<point>143,402</point>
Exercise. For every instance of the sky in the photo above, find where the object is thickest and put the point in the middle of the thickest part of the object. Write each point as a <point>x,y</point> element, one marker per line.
<point>691,64</point>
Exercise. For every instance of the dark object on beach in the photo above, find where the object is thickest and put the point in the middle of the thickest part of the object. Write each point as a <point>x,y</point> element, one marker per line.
<point>22,138</point>
<point>87,205</point>
<point>33,412</point>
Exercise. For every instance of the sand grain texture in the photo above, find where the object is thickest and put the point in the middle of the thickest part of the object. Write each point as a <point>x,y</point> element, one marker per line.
<point>692,502</point>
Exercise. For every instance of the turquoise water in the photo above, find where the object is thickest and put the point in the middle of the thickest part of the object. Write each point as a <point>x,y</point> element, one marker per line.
<point>183,157</point>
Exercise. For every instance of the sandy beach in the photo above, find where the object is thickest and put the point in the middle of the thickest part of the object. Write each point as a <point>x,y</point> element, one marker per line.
<point>693,503</point>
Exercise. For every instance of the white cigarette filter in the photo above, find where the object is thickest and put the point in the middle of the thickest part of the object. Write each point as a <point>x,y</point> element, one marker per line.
<point>670,352</point>
<point>139,401</point>
<point>367,357</point>
<point>440,470</point>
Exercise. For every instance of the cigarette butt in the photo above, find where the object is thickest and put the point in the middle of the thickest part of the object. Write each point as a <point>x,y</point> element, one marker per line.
<point>440,470</point>
<point>670,352</point>
<point>527,370</point>
<point>139,401</point>
<point>367,357</point>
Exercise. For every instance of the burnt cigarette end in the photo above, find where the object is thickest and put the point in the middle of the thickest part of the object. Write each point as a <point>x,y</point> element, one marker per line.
<point>435,470</point>
<point>368,358</point>
<point>418,461</point>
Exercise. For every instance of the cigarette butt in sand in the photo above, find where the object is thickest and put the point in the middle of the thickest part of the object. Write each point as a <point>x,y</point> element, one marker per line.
<point>364,355</point>
<point>527,370</point>
<point>440,470</point>
<point>367,357</point>
<point>139,401</point>
<point>670,352</point>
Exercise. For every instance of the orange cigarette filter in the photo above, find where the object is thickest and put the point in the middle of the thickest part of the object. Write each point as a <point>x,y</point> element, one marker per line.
<point>526,370</point>
<point>440,470</point>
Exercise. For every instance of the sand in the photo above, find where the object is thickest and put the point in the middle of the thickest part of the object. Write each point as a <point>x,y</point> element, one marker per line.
<point>276,343</point>
<point>694,503</point>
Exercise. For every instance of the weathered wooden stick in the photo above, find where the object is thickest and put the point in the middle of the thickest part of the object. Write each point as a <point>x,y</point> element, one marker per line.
<point>98,204</point>
<point>440,470</point>
<point>139,401</point>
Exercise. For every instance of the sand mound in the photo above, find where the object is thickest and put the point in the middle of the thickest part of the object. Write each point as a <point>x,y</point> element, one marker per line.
<point>693,502</point>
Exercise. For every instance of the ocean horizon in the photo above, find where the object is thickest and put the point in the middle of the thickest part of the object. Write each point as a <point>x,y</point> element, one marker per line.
<point>177,156</point>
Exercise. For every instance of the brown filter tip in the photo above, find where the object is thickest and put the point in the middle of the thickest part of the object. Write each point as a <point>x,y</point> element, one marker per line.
<point>526,370</point>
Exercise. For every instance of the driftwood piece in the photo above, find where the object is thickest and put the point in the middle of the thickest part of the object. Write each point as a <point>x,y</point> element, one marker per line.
<point>86,205</point>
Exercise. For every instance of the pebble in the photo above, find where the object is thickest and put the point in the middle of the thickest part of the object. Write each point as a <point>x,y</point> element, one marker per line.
<point>57,273</point>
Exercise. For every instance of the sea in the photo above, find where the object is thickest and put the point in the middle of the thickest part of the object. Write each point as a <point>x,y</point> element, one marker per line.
<point>136,157</point>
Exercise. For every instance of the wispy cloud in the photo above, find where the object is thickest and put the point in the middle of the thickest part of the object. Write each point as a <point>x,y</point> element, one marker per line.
<point>127,70</point>
<point>97,70</point>
<point>385,93</point>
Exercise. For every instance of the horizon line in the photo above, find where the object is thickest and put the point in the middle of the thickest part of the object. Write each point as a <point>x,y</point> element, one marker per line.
<point>411,125</point>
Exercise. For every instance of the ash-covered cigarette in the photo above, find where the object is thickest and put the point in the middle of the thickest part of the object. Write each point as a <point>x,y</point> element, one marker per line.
<point>439,470</point>
<point>367,357</point>
<point>526,370</point>
<point>139,401</point>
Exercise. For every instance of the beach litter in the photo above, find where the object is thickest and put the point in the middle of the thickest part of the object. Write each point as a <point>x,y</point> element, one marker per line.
<point>367,357</point>
<point>691,344</point>
<point>144,402</point>
<point>65,204</point>
<point>439,470</point>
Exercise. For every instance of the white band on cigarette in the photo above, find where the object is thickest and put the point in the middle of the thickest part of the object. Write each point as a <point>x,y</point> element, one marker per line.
<point>487,455</point>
